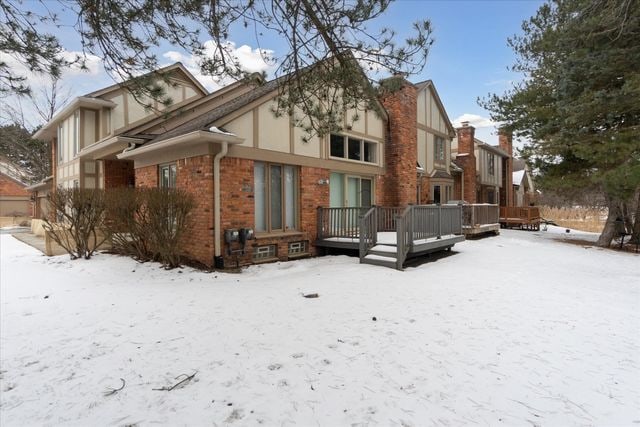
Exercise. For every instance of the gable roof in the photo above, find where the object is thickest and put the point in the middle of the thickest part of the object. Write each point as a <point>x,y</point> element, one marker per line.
<point>208,118</point>
<point>428,84</point>
<point>13,172</point>
<point>164,70</point>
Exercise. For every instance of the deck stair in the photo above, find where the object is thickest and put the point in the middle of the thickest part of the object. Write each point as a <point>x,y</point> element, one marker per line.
<point>384,255</point>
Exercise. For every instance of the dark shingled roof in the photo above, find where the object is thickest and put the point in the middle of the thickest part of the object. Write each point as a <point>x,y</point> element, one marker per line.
<point>206,119</point>
<point>440,174</point>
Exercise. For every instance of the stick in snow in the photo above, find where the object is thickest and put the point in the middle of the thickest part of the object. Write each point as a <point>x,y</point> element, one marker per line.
<point>183,381</point>
<point>112,391</point>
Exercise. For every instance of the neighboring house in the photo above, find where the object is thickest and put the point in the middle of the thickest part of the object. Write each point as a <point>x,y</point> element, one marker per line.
<point>524,193</point>
<point>435,132</point>
<point>15,199</point>
<point>39,192</point>
<point>251,169</point>
<point>485,168</point>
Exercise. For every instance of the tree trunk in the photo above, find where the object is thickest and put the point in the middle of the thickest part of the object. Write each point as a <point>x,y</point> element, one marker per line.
<point>635,233</point>
<point>609,231</point>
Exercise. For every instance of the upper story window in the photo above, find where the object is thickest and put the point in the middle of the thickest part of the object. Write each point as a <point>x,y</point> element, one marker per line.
<point>76,132</point>
<point>491,159</point>
<point>275,196</point>
<point>348,147</point>
<point>168,176</point>
<point>439,149</point>
<point>59,142</point>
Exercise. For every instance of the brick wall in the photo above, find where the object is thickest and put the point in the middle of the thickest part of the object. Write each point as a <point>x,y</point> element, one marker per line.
<point>238,208</point>
<point>9,187</point>
<point>147,176</point>
<point>195,176</point>
<point>118,173</point>
<point>505,141</point>
<point>400,180</point>
<point>457,186</point>
<point>466,159</point>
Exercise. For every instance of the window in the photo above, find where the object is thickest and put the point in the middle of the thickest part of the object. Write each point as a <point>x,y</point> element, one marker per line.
<point>350,191</point>
<point>439,149</point>
<point>264,252</point>
<point>76,132</point>
<point>297,248</point>
<point>352,148</point>
<point>492,164</point>
<point>436,194</point>
<point>168,176</point>
<point>59,142</point>
<point>275,196</point>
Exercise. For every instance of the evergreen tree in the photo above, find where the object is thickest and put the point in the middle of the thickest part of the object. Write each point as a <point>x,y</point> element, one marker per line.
<point>315,33</point>
<point>579,105</point>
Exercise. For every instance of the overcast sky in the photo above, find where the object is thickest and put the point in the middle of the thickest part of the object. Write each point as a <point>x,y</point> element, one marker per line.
<point>470,57</point>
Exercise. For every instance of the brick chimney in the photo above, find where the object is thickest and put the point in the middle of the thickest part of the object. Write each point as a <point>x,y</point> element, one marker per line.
<point>401,148</point>
<point>505,141</point>
<point>466,159</point>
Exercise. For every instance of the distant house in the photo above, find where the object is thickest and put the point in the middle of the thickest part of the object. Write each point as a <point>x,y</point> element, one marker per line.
<point>489,176</point>
<point>15,199</point>
<point>524,192</point>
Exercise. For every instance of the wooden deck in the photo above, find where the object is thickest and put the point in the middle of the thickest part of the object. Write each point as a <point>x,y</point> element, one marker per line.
<point>525,218</point>
<point>480,219</point>
<point>389,236</point>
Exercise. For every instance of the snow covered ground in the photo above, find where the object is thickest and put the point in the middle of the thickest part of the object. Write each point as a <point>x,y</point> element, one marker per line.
<point>516,330</point>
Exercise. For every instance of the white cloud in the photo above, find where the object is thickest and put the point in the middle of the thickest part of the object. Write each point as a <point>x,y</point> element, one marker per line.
<point>475,120</point>
<point>249,59</point>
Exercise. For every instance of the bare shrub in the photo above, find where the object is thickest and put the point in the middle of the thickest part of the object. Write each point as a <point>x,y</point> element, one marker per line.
<point>148,223</point>
<point>79,214</point>
<point>167,216</point>
<point>126,222</point>
<point>579,218</point>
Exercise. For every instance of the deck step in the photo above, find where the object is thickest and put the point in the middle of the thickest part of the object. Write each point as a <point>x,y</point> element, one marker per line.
<point>383,261</point>
<point>386,251</point>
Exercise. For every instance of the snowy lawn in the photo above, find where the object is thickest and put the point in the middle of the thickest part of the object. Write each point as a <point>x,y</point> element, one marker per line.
<point>517,330</point>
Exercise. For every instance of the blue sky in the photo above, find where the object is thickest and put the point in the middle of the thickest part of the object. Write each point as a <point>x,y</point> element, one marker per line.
<point>468,60</point>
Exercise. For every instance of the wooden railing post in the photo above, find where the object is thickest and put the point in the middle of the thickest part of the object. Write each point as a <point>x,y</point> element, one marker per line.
<point>319,223</point>
<point>399,242</point>
<point>439,221</point>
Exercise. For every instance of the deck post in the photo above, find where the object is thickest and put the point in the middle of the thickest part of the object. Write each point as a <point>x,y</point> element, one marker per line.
<point>399,242</point>
<point>319,223</point>
<point>411,212</point>
<point>439,221</point>
<point>375,225</point>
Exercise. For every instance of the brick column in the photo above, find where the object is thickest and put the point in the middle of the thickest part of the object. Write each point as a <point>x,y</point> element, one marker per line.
<point>401,148</point>
<point>466,159</point>
<point>505,141</point>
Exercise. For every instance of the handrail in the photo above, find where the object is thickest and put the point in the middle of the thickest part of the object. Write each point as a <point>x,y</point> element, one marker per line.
<point>403,236</point>
<point>368,232</point>
<point>339,222</point>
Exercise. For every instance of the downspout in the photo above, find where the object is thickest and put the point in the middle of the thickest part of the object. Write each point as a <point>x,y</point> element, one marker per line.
<point>217,259</point>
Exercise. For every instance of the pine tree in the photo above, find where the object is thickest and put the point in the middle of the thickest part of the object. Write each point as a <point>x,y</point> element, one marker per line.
<point>579,105</point>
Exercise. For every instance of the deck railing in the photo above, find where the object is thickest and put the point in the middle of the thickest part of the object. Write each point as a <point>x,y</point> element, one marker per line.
<point>480,214</point>
<point>411,224</point>
<point>368,232</point>
<point>339,222</point>
<point>404,230</point>
<point>528,213</point>
<point>387,217</point>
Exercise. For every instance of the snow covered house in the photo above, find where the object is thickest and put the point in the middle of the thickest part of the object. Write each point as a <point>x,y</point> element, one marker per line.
<point>264,192</point>
<point>524,192</point>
